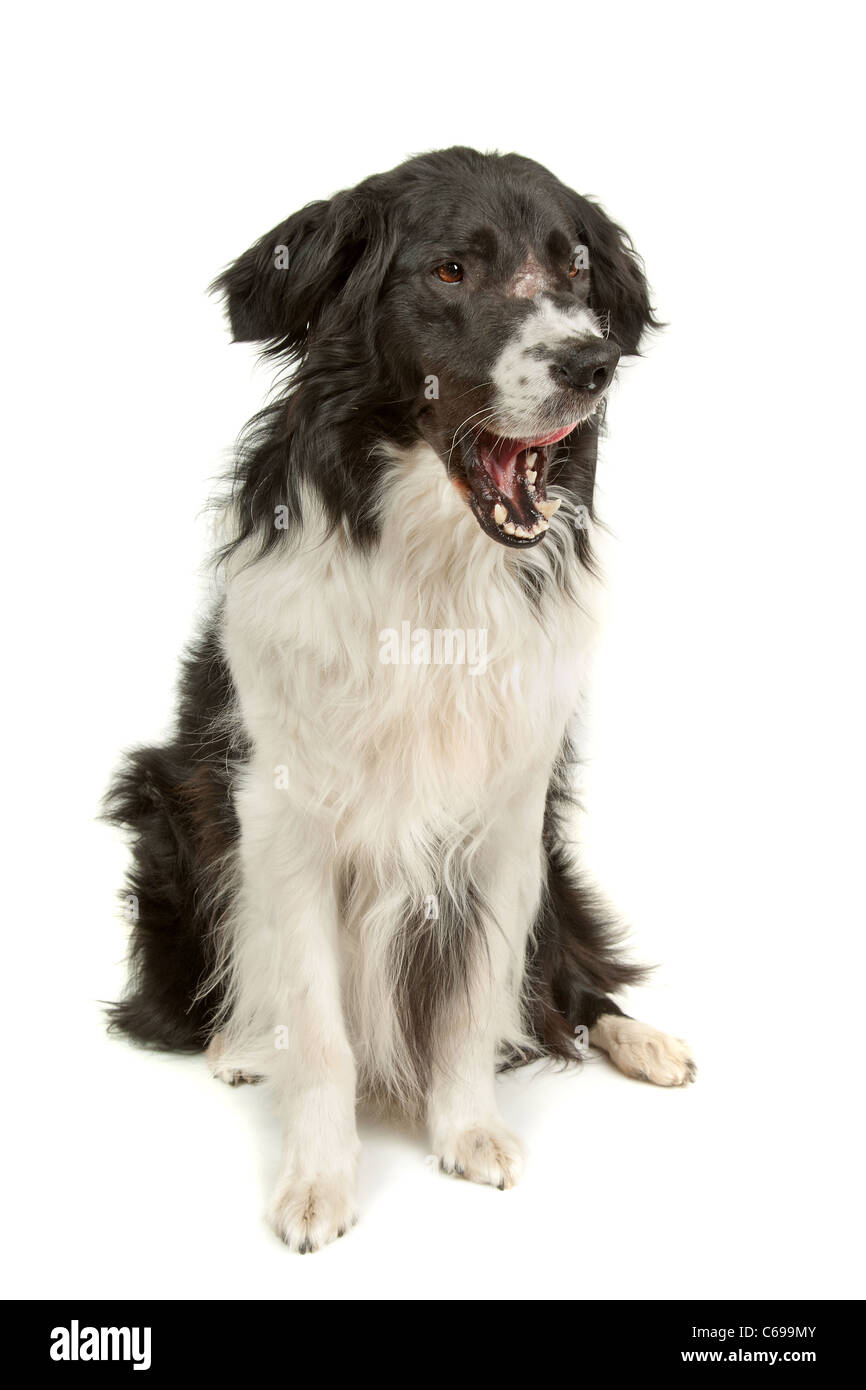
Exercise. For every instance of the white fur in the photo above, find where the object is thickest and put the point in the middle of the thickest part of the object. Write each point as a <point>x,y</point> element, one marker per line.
<point>521,377</point>
<point>402,782</point>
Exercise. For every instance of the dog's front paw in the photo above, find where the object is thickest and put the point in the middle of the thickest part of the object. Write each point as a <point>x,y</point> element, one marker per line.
<point>643,1052</point>
<point>486,1153</point>
<point>311,1212</point>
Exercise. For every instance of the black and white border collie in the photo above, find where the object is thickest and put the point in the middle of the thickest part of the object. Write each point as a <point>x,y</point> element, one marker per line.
<point>351,868</point>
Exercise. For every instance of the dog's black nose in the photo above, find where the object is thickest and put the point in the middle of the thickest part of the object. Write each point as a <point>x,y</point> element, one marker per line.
<point>589,368</point>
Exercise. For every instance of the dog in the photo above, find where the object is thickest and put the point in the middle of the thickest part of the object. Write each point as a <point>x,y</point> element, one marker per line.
<point>352,868</point>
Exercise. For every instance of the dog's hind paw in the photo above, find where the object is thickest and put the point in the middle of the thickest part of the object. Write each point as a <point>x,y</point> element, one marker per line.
<point>235,1078</point>
<point>232,1076</point>
<point>643,1052</point>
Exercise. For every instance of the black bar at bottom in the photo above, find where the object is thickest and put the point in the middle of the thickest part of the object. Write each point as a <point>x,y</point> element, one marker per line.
<point>155,1339</point>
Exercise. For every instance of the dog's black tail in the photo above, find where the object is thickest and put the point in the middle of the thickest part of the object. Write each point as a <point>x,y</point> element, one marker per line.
<point>575,960</point>
<point>177,802</point>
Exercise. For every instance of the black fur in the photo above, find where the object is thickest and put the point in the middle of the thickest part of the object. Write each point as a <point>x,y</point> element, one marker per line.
<point>353,318</point>
<point>347,312</point>
<point>177,800</point>
<point>574,960</point>
<point>436,956</point>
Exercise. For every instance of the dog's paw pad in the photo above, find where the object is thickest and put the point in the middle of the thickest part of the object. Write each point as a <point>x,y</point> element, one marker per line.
<point>644,1052</point>
<point>484,1154</point>
<point>309,1213</point>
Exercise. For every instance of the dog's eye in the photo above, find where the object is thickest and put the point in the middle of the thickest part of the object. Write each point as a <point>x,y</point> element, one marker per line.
<point>579,264</point>
<point>450,272</point>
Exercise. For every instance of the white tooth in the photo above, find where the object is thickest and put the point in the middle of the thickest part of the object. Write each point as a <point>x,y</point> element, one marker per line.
<point>522,531</point>
<point>539,527</point>
<point>531,477</point>
<point>499,514</point>
<point>530,460</point>
<point>509,528</point>
<point>549,509</point>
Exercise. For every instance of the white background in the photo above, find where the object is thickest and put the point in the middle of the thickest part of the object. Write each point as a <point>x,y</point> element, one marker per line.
<point>149,145</point>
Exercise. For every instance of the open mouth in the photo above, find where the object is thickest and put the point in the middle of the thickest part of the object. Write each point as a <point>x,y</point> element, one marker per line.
<point>508,480</point>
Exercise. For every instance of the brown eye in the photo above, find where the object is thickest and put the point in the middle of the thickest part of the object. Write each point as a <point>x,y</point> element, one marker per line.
<point>579,263</point>
<point>450,272</point>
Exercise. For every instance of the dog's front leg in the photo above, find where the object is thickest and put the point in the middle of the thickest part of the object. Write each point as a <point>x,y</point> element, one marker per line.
<point>288,999</point>
<point>467,1132</point>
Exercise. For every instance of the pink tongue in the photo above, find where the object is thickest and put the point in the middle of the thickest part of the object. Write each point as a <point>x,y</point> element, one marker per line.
<point>499,462</point>
<point>500,458</point>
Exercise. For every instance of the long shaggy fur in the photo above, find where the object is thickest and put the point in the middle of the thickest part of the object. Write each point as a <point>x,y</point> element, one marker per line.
<point>357,872</point>
<point>178,802</point>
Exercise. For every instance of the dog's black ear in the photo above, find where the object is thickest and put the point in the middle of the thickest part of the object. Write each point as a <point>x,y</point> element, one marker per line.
<point>619,292</point>
<point>324,260</point>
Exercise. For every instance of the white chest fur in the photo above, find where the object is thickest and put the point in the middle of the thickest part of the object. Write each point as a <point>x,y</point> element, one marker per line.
<point>413,683</point>
<point>376,787</point>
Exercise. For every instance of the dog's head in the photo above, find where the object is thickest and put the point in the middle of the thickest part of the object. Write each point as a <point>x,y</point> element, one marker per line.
<point>470,300</point>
